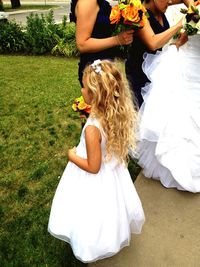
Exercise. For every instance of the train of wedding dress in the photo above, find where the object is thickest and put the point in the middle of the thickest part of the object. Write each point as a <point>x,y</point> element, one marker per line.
<point>169,131</point>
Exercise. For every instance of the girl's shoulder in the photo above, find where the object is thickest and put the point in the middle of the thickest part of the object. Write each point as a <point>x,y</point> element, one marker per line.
<point>93,121</point>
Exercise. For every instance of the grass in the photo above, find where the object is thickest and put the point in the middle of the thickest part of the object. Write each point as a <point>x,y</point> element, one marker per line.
<point>8,8</point>
<point>37,126</point>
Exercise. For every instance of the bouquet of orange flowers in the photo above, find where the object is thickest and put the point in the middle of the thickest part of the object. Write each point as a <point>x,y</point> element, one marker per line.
<point>192,18</point>
<point>128,14</point>
<point>80,106</point>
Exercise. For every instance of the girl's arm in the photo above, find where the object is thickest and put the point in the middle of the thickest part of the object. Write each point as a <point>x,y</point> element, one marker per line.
<point>155,41</point>
<point>93,145</point>
<point>86,14</point>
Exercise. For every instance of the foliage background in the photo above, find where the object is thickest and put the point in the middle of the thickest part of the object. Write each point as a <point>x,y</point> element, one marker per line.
<point>41,35</point>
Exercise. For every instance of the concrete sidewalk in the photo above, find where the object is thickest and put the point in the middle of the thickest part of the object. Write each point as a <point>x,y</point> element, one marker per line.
<point>171,233</point>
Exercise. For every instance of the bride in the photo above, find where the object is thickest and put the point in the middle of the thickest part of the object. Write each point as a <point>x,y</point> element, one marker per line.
<point>169,132</point>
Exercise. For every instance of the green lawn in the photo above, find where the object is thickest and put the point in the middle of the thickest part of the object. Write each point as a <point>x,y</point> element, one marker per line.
<point>37,126</point>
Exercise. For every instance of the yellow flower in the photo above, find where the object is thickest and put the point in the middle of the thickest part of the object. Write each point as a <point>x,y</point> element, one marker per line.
<point>82,105</point>
<point>79,105</point>
<point>136,3</point>
<point>74,107</point>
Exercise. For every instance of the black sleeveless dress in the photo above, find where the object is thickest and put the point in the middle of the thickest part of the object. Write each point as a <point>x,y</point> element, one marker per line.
<point>133,66</point>
<point>102,29</point>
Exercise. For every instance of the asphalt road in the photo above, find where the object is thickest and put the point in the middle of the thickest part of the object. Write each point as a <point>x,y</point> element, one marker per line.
<point>59,11</point>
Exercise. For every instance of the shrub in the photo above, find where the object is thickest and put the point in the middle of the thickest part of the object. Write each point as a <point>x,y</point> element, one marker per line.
<point>66,41</point>
<point>40,33</point>
<point>11,37</point>
<point>40,36</point>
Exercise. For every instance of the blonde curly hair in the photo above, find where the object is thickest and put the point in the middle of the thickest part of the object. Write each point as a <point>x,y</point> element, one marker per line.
<point>112,104</point>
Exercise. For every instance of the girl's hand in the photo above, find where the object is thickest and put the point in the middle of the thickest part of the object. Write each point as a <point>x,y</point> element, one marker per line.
<point>71,153</point>
<point>125,37</point>
<point>92,163</point>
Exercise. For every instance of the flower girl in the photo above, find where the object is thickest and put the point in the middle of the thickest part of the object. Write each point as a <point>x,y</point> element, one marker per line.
<point>96,206</point>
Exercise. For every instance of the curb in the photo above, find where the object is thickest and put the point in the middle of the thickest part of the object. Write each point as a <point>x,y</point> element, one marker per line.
<point>30,10</point>
<point>21,12</point>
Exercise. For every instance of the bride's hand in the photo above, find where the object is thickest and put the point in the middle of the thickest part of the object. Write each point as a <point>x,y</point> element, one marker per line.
<point>180,23</point>
<point>183,38</point>
<point>125,37</point>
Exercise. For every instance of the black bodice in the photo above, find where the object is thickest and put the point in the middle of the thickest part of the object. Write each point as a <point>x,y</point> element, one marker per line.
<point>102,29</point>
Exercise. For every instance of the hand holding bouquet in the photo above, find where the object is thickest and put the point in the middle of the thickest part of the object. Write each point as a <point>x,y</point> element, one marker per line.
<point>192,18</point>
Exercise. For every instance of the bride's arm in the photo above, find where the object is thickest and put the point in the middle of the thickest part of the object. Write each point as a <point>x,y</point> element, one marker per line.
<point>155,41</point>
<point>183,38</point>
<point>186,2</point>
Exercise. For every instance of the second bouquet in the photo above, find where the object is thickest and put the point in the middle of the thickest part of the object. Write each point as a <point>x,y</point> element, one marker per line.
<point>128,14</point>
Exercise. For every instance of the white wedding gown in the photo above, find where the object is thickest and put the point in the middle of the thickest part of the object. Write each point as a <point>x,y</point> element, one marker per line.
<point>169,132</point>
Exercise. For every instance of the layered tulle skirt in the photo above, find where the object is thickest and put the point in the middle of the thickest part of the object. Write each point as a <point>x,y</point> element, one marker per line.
<point>169,131</point>
<point>96,213</point>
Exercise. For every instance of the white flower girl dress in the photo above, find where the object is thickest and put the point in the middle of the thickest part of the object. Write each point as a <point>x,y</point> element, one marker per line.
<point>169,132</point>
<point>95,213</point>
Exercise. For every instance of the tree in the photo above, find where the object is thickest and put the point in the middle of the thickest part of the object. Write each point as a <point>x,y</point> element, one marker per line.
<point>1,5</point>
<point>15,3</point>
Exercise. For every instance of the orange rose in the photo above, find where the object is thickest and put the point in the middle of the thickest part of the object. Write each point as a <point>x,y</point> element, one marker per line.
<point>115,15</point>
<point>88,109</point>
<point>196,3</point>
<point>130,14</point>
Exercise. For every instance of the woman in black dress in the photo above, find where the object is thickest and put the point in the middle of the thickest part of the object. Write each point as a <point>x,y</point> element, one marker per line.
<point>94,32</point>
<point>152,37</point>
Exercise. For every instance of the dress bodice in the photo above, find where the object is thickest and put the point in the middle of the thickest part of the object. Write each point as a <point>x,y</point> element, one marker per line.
<point>134,61</point>
<point>81,148</point>
<point>102,29</point>
<point>138,48</point>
